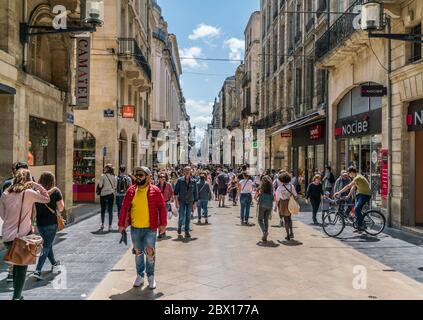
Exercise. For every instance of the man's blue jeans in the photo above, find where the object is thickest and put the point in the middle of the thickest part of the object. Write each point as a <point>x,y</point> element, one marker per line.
<point>119,202</point>
<point>360,201</point>
<point>245,201</point>
<point>143,239</point>
<point>185,210</point>
<point>203,205</point>
<point>48,233</point>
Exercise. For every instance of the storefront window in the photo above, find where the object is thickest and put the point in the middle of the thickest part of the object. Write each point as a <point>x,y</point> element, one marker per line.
<point>354,152</point>
<point>42,142</point>
<point>359,104</point>
<point>320,157</point>
<point>83,166</point>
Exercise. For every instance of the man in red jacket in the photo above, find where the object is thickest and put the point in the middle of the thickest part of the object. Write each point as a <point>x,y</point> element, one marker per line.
<point>144,209</point>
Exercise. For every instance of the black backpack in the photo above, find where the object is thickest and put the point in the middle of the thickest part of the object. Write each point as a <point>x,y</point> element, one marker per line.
<point>122,184</point>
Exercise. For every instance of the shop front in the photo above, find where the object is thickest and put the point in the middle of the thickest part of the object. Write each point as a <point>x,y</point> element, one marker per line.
<point>42,146</point>
<point>308,151</point>
<point>415,128</point>
<point>83,166</point>
<point>359,144</point>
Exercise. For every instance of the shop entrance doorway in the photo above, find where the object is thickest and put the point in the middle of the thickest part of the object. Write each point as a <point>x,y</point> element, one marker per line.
<point>419,178</point>
<point>83,166</point>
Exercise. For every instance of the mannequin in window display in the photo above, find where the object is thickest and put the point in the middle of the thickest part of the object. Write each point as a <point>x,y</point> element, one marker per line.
<point>30,154</point>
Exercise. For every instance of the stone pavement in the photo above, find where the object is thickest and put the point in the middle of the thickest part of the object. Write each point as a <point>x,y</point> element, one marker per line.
<point>87,257</point>
<point>400,251</point>
<point>228,261</point>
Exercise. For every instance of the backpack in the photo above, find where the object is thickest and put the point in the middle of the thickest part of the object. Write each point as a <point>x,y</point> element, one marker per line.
<point>122,184</point>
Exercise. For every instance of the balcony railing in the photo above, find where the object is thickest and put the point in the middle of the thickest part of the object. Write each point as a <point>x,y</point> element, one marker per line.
<point>310,24</point>
<point>159,34</point>
<point>270,120</point>
<point>246,112</point>
<point>130,47</point>
<point>246,79</point>
<point>322,8</point>
<point>340,31</point>
<point>298,37</point>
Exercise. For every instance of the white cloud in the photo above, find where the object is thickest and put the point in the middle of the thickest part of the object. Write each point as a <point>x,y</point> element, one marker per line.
<point>190,54</point>
<point>200,112</point>
<point>204,31</point>
<point>236,48</point>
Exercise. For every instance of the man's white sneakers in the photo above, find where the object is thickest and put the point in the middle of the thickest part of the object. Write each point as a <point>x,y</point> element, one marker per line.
<point>151,283</point>
<point>139,282</point>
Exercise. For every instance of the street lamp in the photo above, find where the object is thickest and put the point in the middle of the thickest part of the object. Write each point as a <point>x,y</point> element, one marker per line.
<point>371,16</point>
<point>372,20</point>
<point>92,12</point>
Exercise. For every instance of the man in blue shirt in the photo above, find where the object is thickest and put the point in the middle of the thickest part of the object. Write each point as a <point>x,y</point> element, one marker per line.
<point>186,194</point>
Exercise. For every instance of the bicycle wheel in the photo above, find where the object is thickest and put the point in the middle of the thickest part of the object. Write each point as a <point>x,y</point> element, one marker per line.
<point>333,224</point>
<point>375,222</point>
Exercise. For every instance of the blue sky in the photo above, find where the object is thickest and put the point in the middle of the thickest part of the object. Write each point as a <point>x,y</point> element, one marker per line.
<point>207,29</point>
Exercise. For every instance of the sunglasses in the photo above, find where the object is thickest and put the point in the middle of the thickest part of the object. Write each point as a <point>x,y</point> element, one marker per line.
<point>161,177</point>
<point>140,175</point>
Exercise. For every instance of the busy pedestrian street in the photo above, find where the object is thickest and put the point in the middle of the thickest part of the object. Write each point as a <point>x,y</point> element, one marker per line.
<point>225,260</point>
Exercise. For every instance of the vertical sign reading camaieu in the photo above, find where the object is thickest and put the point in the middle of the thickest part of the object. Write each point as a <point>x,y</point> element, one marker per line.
<point>384,173</point>
<point>83,46</point>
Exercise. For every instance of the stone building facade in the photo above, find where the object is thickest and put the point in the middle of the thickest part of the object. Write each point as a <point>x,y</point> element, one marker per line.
<point>292,96</point>
<point>359,127</point>
<point>167,96</point>
<point>115,128</point>
<point>36,92</point>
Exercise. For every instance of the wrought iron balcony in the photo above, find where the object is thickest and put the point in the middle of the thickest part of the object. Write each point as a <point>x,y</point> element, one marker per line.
<point>128,47</point>
<point>298,37</point>
<point>322,8</point>
<point>269,121</point>
<point>340,31</point>
<point>310,24</point>
<point>160,35</point>
<point>246,112</point>
<point>246,79</point>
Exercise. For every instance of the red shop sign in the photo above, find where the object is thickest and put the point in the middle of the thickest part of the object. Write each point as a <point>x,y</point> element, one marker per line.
<point>286,134</point>
<point>316,132</point>
<point>384,173</point>
<point>128,111</point>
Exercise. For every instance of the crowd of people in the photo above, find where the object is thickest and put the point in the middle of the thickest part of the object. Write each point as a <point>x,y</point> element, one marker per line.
<point>147,199</point>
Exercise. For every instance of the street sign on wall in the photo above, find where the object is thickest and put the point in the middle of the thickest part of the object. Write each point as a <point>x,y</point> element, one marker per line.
<point>82,88</point>
<point>373,91</point>
<point>109,113</point>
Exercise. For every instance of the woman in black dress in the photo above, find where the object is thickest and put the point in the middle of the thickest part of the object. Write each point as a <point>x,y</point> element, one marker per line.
<point>314,194</point>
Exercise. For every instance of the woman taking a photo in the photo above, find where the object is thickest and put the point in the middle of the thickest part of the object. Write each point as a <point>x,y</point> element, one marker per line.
<point>283,194</point>
<point>18,200</point>
<point>265,199</point>
<point>314,194</point>
<point>47,221</point>
<point>108,186</point>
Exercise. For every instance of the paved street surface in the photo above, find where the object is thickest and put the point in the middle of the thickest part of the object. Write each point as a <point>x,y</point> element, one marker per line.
<point>87,257</point>
<point>228,261</point>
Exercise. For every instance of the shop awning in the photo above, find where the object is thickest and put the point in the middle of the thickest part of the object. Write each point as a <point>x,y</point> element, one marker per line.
<point>4,89</point>
<point>301,121</point>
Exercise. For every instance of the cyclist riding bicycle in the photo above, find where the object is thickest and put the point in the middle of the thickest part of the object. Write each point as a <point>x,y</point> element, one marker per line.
<point>364,194</point>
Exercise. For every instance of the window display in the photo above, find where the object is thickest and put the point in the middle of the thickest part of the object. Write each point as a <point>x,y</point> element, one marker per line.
<point>42,142</point>
<point>84,166</point>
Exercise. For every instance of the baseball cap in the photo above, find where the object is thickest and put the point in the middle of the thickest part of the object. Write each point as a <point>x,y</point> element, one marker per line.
<point>146,170</point>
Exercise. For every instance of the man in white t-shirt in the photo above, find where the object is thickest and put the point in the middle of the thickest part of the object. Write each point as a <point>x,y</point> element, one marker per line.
<point>245,190</point>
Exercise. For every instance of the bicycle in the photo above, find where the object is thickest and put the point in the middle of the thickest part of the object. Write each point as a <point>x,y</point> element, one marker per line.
<point>335,221</point>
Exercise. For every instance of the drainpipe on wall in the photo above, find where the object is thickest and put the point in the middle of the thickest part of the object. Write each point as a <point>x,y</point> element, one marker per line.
<point>389,92</point>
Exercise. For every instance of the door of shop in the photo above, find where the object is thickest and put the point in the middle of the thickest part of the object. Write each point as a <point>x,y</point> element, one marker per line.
<point>419,178</point>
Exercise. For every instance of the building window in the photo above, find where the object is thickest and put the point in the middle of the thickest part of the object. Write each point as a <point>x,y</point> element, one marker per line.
<point>353,104</point>
<point>416,48</point>
<point>298,89</point>
<point>42,144</point>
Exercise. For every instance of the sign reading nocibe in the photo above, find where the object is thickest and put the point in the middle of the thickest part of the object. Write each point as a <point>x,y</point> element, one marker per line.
<point>83,46</point>
<point>415,116</point>
<point>359,125</point>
